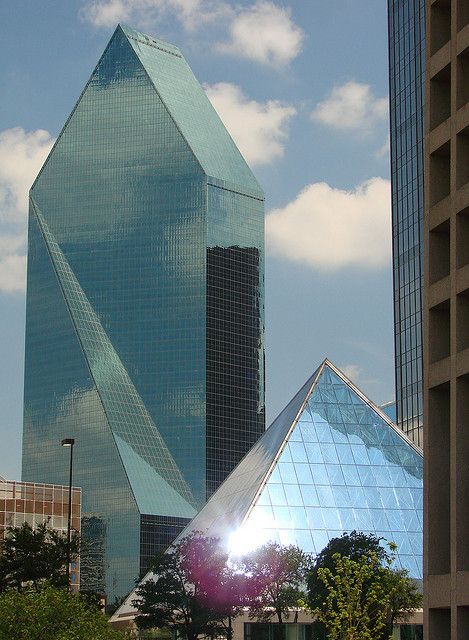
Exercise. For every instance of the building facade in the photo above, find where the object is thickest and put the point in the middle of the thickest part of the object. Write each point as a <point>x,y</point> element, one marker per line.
<point>37,503</point>
<point>446,314</point>
<point>331,462</point>
<point>406,98</point>
<point>145,303</point>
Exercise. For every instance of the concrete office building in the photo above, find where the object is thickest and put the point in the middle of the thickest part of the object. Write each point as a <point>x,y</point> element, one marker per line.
<point>406,21</point>
<point>145,304</point>
<point>446,322</point>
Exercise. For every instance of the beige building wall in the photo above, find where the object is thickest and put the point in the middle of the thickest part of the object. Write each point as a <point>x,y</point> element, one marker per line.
<point>294,630</point>
<point>446,322</point>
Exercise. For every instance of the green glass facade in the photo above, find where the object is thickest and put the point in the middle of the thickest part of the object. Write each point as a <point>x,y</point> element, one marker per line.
<point>144,332</point>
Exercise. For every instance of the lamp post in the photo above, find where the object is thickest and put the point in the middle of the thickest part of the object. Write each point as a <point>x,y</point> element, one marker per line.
<point>69,442</point>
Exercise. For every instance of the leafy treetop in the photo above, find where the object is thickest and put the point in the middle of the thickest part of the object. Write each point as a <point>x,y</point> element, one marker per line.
<point>30,557</point>
<point>51,614</point>
<point>279,573</point>
<point>193,591</point>
<point>352,545</point>
<point>354,590</point>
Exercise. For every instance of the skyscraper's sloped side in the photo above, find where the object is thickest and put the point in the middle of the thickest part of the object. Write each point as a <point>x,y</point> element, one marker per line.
<point>62,400</point>
<point>128,318</point>
<point>330,463</point>
<point>193,114</point>
<point>147,462</point>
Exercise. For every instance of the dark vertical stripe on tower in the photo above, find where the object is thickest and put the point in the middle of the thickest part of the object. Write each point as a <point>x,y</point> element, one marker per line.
<point>235,408</point>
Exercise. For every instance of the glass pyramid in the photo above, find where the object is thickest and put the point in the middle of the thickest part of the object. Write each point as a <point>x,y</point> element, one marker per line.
<point>330,463</point>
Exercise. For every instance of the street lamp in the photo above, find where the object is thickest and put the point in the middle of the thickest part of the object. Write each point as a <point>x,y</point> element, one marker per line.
<point>69,442</point>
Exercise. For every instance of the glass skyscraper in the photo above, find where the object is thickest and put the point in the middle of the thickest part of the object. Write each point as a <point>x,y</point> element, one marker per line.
<point>145,304</point>
<point>406,95</point>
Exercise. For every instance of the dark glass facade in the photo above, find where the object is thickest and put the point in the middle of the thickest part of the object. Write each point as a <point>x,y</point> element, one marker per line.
<point>126,335</point>
<point>314,631</point>
<point>234,418</point>
<point>156,534</point>
<point>406,94</point>
<point>93,554</point>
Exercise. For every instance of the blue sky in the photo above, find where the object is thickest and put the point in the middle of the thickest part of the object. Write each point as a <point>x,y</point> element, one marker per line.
<point>302,87</point>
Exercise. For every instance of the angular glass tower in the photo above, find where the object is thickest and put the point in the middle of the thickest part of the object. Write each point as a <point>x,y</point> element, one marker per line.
<point>406,99</point>
<point>145,304</point>
<point>331,462</point>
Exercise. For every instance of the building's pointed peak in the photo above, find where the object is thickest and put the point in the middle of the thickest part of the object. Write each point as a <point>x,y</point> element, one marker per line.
<point>340,374</point>
<point>151,41</point>
<point>193,114</point>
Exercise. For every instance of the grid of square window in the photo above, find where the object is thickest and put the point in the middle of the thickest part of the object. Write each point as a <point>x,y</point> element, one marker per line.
<point>35,504</point>
<point>235,410</point>
<point>406,86</point>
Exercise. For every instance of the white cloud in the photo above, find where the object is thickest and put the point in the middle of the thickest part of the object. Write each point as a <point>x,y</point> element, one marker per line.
<point>260,129</point>
<point>21,156</point>
<point>265,33</point>
<point>147,13</point>
<point>330,229</point>
<point>12,273</point>
<point>106,14</point>
<point>384,150</point>
<point>351,106</point>
<point>352,371</point>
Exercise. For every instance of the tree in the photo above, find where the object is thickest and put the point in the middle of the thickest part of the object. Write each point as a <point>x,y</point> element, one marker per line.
<point>51,614</point>
<point>30,557</point>
<point>221,587</point>
<point>352,545</point>
<point>405,596</point>
<point>193,591</point>
<point>352,583</point>
<point>279,574</point>
<point>357,601</point>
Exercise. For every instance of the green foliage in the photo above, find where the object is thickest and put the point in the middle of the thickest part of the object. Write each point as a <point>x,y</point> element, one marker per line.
<point>405,596</point>
<point>352,545</point>
<point>357,602</point>
<point>362,595</point>
<point>197,592</point>
<point>51,614</point>
<point>30,557</point>
<point>279,574</point>
<point>190,593</point>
